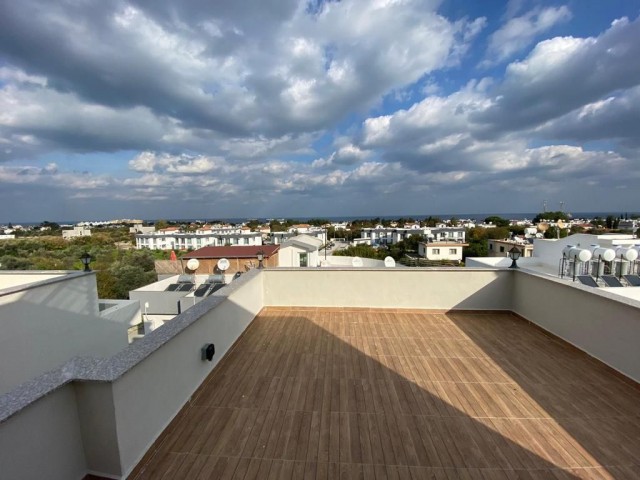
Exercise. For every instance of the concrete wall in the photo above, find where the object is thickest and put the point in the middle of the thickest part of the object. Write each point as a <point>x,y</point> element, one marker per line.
<point>290,257</point>
<point>450,288</point>
<point>149,395</point>
<point>605,327</point>
<point>44,326</point>
<point>71,293</point>
<point>45,434</point>
<point>340,261</point>
<point>123,312</point>
<point>160,303</point>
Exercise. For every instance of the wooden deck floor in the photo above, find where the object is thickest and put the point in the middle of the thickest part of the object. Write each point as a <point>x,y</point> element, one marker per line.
<point>327,394</point>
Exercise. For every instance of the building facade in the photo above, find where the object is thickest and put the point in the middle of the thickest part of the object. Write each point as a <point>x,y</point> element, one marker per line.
<point>186,241</point>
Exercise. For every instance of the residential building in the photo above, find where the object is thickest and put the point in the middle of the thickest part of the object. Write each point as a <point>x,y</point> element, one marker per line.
<point>380,235</point>
<point>241,258</point>
<point>444,251</point>
<point>277,238</point>
<point>76,232</point>
<point>500,248</point>
<point>300,251</point>
<point>628,225</point>
<point>139,228</point>
<point>548,255</point>
<point>183,241</point>
<point>300,228</point>
<point>7,236</point>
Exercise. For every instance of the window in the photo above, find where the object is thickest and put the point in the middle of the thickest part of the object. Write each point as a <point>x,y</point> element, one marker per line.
<point>491,246</point>
<point>501,249</point>
<point>436,251</point>
<point>303,259</point>
<point>453,251</point>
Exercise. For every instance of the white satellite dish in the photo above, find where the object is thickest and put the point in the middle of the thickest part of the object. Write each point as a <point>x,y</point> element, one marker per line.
<point>223,264</point>
<point>357,262</point>
<point>389,262</point>
<point>193,264</point>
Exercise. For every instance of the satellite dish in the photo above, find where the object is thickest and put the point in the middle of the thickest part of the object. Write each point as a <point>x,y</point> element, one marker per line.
<point>389,262</point>
<point>357,262</point>
<point>543,227</point>
<point>193,264</point>
<point>223,264</point>
<point>560,224</point>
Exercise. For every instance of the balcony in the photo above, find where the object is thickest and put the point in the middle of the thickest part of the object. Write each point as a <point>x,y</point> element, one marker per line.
<point>405,373</point>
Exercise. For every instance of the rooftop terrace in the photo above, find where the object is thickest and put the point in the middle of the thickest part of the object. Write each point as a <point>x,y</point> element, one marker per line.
<point>378,393</point>
<point>327,372</point>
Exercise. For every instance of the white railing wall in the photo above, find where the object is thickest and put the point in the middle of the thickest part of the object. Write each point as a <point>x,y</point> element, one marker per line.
<point>604,325</point>
<point>435,289</point>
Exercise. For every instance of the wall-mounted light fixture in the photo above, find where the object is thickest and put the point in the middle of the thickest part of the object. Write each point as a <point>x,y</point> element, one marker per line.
<point>86,260</point>
<point>208,351</point>
<point>514,254</point>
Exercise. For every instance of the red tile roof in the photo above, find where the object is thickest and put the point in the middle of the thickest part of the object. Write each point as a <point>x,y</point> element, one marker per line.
<point>233,252</point>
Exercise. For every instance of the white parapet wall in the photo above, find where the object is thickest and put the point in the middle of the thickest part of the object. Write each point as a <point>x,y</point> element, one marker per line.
<point>603,324</point>
<point>432,288</point>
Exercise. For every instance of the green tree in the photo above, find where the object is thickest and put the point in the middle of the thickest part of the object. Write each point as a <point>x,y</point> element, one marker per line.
<point>363,251</point>
<point>551,216</point>
<point>129,277</point>
<point>9,262</point>
<point>160,224</point>
<point>497,221</point>
<point>498,233</point>
<point>432,221</point>
<point>552,232</point>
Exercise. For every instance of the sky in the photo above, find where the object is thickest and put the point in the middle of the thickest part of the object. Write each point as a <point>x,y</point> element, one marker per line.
<point>282,108</point>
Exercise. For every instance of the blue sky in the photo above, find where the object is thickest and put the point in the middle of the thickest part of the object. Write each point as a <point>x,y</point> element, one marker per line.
<point>157,109</point>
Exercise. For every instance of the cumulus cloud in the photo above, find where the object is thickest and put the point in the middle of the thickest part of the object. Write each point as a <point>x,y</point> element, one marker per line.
<point>519,32</point>
<point>346,155</point>
<point>317,106</point>
<point>565,73</point>
<point>197,75</point>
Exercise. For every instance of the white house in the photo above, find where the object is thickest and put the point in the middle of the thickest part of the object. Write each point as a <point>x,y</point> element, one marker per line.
<point>76,232</point>
<point>184,241</point>
<point>389,236</point>
<point>300,251</point>
<point>446,251</point>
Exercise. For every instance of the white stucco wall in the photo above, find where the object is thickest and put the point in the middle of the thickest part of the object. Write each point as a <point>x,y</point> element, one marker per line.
<point>450,288</point>
<point>340,261</point>
<point>45,434</point>
<point>123,312</point>
<point>148,396</point>
<point>606,327</point>
<point>290,257</point>
<point>44,326</point>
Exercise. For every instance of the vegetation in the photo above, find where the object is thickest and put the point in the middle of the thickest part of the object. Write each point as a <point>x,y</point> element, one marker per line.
<point>398,250</point>
<point>551,216</point>
<point>497,221</point>
<point>117,271</point>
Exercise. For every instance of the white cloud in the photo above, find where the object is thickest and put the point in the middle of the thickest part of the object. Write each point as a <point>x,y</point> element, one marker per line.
<point>519,32</point>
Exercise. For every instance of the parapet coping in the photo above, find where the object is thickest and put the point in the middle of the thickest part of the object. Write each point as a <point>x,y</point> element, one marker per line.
<point>62,276</point>
<point>112,368</point>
